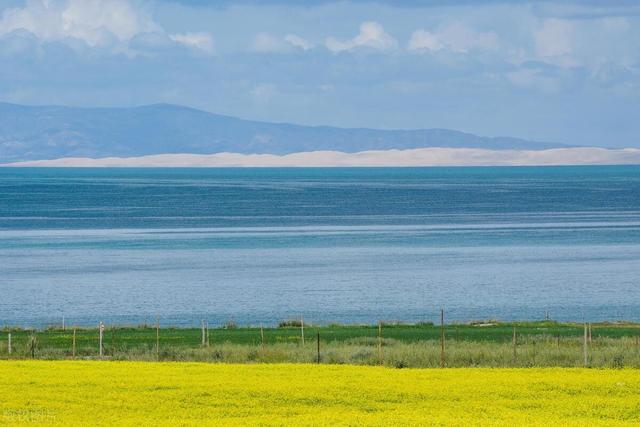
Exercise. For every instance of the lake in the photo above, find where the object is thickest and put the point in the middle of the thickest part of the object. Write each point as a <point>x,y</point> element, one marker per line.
<point>333,245</point>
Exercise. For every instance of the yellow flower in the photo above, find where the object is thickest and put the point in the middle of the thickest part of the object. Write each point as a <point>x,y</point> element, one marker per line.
<point>145,393</point>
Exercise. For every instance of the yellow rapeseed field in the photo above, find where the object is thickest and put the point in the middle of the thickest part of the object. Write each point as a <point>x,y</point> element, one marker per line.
<point>146,393</point>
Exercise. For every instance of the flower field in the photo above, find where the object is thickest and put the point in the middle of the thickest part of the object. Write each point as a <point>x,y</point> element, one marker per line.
<point>147,393</point>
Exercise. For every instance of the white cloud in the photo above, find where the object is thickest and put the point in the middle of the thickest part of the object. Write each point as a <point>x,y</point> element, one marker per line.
<point>199,41</point>
<point>455,37</point>
<point>268,43</point>
<point>533,79</point>
<point>425,40</point>
<point>265,42</point>
<point>592,44</point>
<point>116,24</point>
<point>297,41</point>
<point>371,35</point>
<point>96,22</point>
<point>553,42</point>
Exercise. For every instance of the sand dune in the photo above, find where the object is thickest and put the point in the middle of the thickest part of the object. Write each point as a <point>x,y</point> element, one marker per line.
<point>414,157</point>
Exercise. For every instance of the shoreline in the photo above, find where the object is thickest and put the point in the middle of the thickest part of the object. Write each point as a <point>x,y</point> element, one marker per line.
<point>420,157</point>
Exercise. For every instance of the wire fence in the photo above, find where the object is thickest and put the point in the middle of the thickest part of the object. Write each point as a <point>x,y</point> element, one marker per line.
<point>537,343</point>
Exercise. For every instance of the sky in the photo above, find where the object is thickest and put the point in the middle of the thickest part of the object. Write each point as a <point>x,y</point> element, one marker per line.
<point>559,71</point>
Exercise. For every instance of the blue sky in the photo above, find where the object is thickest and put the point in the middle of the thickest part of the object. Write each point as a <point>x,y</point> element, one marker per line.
<point>563,71</point>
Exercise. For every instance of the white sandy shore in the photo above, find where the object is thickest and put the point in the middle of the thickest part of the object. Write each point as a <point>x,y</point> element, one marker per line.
<point>417,157</point>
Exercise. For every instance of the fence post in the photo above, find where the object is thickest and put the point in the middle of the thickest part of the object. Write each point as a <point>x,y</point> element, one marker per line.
<point>380,359</point>
<point>302,329</point>
<point>515,344</point>
<point>584,346</point>
<point>262,336</point>
<point>63,325</point>
<point>73,345</point>
<point>32,342</point>
<point>157,338</point>
<point>202,333</point>
<point>318,339</point>
<point>101,333</point>
<point>442,337</point>
<point>534,343</point>
<point>9,343</point>
<point>590,333</point>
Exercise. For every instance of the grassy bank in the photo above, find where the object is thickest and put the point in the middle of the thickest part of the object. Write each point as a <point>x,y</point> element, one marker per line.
<point>481,344</point>
<point>138,393</point>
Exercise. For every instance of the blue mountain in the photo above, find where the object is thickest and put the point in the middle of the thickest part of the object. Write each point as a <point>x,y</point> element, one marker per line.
<point>48,132</point>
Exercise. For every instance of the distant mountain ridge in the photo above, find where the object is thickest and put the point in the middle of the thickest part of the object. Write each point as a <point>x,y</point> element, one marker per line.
<point>50,132</point>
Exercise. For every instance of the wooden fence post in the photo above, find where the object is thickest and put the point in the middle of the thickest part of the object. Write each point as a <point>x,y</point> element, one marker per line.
<point>262,336</point>
<point>73,344</point>
<point>515,344</point>
<point>302,329</point>
<point>318,340</point>
<point>157,338</point>
<point>584,346</point>
<point>202,333</point>
<point>380,359</point>
<point>534,342</point>
<point>9,343</point>
<point>208,335</point>
<point>442,337</point>
<point>63,325</point>
<point>100,332</point>
<point>32,343</point>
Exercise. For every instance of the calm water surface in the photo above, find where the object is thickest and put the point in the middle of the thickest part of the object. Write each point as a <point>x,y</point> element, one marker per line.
<point>345,245</point>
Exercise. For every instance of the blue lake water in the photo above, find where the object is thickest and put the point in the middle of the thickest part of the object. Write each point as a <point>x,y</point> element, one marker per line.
<point>343,245</point>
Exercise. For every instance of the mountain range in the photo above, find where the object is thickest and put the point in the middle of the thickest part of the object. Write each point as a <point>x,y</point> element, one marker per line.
<point>50,132</point>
